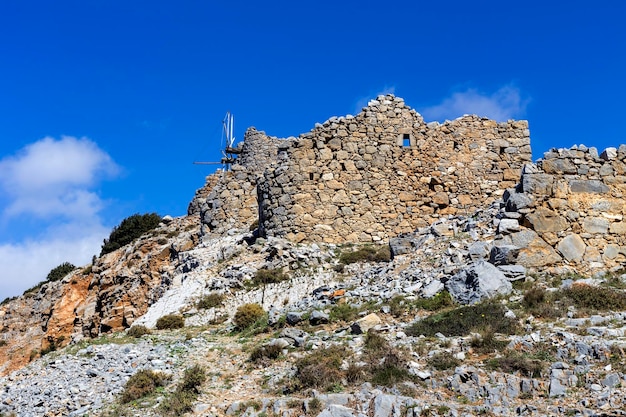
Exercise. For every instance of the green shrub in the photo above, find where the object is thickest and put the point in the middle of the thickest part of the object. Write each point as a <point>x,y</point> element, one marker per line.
<point>60,271</point>
<point>366,254</point>
<point>247,315</point>
<point>465,320</point>
<point>138,330</point>
<point>321,368</point>
<point>181,401</point>
<point>442,361</point>
<point>178,403</point>
<point>211,300</point>
<point>170,321</point>
<point>261,353</point>
<point>595,298</point>
<point>265,276</point>
<point>142,383</point>
<point>193,378</point>
<point>439,301</point>
<point>538,302</point>
<point>515,362</point>
<point>128,230</point>
<point>343,312</point>
<point>486,342</point>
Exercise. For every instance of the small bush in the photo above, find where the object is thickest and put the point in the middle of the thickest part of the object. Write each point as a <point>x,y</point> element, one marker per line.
<point>128,230</point>
<point>266,276</point>
<point>366,254</point>
<point>442,361</point>
<point>439,301</point>
<point>247,315</point>
<point>193,378</point>
<point>211,300</point>
<point>142,383</point>
<point>595,298</point>
<point>465,320</point>
<point>170,321</point>
<point>181,401</point>
<point>487,342</point>
<point>322,368</point>
<point>538,302</point>
<point>343,312</point>
<point>511,363</point>
<point>138,330</point>
<point>262,353</point>
<point>178,403</point>
<point>60,271</point>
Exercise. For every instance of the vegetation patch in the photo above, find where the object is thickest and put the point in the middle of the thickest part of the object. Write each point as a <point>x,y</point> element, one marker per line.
<point>262,354</point>
<point>322,368</point>
<point>60,271</point>
<point>181,401</point>
<point>366,254</point>
<point>442,361</point>
<point>486,342</point>
<point>128,230</point>
<point>142,383</point>
<point>538,302</point>
<point>595,298</point>
<point>211,300</point>
<point>248,315</point>
<point>516,363</point>
<point>170,321</point>
<point>138,330</point>
<point>465,320</point>
<point>266,276</point>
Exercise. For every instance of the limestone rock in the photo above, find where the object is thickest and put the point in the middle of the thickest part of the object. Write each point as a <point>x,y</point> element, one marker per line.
<point>364,324</point>
<point>572,247</point>
<point>478,281</point>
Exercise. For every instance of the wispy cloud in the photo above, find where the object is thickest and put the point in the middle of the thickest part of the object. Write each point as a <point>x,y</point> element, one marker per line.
<point>504,104</point>
<point>362,101</point>
<point>51,183</point>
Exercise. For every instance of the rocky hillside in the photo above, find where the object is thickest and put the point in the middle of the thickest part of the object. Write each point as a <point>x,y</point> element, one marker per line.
<point>376,266</point>
<point>438,322</point>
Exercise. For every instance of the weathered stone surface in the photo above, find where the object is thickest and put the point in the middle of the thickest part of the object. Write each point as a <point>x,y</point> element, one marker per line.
<point>545,220</point>
<point>364,324</point>
<point>480,280</point>
<point>588,186</point>
<point>534,251</point>
<point>596,225</point>
<point>538,184</point>
<point>572,247</point>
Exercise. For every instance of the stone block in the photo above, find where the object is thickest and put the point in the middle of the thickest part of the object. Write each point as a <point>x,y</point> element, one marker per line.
<point>545,220</point>
<point>538,184</point>
<point>572,247</point>
<point>588,186</point>
<point>596,225</point>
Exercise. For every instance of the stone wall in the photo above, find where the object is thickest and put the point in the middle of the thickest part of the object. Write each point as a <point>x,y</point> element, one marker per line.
<point>574,200</point>
<point>385,171</point>
<point>229,198</point>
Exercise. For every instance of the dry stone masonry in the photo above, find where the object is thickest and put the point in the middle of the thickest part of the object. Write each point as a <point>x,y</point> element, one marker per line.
<point>573,199</point>
<point>386,172</point>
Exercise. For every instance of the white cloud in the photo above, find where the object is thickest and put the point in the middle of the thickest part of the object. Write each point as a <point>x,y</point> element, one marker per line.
<point>504,104</point>
<point>51,183</point>
<point>362,102</point>
<point>52,177</point>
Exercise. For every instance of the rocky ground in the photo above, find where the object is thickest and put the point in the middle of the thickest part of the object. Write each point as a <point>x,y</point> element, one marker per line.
<point>559,356</point>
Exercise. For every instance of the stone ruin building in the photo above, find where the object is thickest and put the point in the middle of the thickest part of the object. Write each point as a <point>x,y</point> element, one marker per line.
<point>385,172</point>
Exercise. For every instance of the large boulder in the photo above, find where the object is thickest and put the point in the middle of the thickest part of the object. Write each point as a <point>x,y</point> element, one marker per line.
<point>478,281</point>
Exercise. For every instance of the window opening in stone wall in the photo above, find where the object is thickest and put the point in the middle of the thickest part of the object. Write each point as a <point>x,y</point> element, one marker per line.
<point>406,140</point>
<point>311,176</point>
<point>343,166</point>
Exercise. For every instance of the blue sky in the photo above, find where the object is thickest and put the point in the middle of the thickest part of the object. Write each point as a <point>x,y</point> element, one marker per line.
<point>105,104</point>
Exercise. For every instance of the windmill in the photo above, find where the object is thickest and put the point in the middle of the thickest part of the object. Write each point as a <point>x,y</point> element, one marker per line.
<point>228,151</point>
